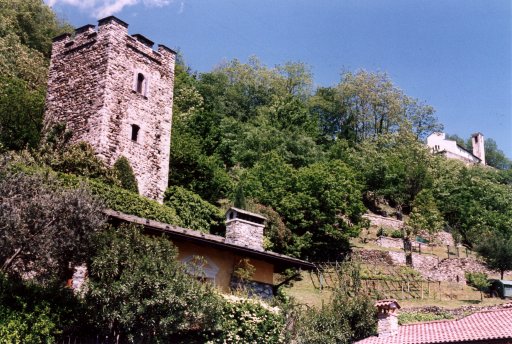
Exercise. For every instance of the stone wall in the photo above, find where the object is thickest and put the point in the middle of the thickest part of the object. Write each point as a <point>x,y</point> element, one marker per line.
<point>381,221</point>
<point>92,88</point>
<point>253,288</point>
<point>244,233</point>
<point>430,267</point>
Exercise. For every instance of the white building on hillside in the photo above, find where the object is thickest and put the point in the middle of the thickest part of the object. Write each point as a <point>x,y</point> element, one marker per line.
<point>438,143</point>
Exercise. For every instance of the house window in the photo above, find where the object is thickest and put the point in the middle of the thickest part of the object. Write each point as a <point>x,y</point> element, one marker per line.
<point>201,268</point>
<point>141,84</point>
<point>135,132</point>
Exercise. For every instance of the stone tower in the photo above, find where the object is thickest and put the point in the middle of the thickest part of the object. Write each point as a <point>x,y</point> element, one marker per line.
<point>477,141</point>
<point>115,92</point>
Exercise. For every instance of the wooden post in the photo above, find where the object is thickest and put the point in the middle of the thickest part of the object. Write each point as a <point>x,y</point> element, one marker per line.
<point>422,290</point>
<point>419,246</point>
<point>439,290</point>
<point>448,250</point>
<point>458,255</point>
<point>467,252</point>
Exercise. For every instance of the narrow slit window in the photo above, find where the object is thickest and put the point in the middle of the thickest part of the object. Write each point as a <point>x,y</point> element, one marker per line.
<point>135,132</point>
<point>140,83</point>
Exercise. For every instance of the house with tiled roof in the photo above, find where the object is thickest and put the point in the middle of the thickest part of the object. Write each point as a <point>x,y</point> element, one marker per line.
<point>485,327</point>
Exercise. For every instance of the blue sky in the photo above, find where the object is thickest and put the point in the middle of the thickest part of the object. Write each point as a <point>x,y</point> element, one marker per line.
<point>454,55</point>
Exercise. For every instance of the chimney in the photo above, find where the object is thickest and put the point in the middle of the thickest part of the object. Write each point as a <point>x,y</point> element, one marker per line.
<point>244,228</point>
<point>477,140</point>
<point>387,320</point>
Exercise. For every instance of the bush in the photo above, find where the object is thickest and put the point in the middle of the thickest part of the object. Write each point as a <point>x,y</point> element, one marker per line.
<point>140,292</point>
<point>123,200</point>
<point>350,316</point>
<point>125,175</point>
<point>397,234</point>
<point>412,317</point>
<point>249,321</point>
<point>194,212</point>
<point>33,314</point>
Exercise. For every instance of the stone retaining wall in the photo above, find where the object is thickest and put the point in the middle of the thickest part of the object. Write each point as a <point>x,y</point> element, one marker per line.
<point>381,221</point>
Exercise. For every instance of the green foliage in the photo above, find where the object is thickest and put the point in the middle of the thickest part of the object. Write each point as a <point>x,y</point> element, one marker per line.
<point>397,234</point>
<point>79,159</point>
<point>479,280</point>
<point>30,313</point>
<point>418,316</point>
<point>122,200</point>
<point>139,291</point>
<point>496,250</point>
<point>192,211</point>
<point>125,174</point>
<point>249,321</point>
<point>473,200</point>
<point>425,215</point>
<point>350,315</point>
<point>239,201</point>
<point>366,105</point>
<point>396,167</point>
<point>21,113</point>
<point>320,204</point>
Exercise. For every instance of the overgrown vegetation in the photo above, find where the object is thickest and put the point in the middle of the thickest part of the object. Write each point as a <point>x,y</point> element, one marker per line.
<point>312,160</point>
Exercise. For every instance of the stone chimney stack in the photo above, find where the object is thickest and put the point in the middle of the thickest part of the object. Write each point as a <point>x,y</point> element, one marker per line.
<point>387,320</point>
<point>244,228</point>
<point>477,140</point>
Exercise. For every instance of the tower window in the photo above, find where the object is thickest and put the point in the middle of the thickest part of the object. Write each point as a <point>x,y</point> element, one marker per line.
<point>140,83</point>
<point>135,132</point>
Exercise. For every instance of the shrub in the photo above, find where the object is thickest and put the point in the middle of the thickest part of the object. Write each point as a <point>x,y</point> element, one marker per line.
<point>397,234</point>
<point>30,313</point>
<point>350,315</point>
<point>125,174</point>
<point>412,317</point>
<point>478,280</point>
<point>140,292</point>
<point>123,200</point>
<point>193,211</point>
<point>248,321</point>
<point>45,227</point>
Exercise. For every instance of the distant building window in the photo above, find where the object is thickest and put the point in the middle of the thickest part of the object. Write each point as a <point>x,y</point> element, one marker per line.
<point>135,132</point>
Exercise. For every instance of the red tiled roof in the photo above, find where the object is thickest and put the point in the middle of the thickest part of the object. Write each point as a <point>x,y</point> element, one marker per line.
<point>481,326</point>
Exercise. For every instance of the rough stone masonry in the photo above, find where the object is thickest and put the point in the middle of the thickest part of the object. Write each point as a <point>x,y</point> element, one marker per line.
<point>115,92</point>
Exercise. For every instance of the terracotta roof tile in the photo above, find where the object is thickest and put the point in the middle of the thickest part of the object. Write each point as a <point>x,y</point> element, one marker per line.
<point>481,326</point>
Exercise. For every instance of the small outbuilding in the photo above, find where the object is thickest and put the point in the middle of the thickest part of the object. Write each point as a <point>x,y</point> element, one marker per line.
<point>500,288</point>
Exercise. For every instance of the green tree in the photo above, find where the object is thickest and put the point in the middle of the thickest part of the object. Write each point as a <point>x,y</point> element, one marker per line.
<point>496,250</point>
<point>425,215</point>
<point>33,22</point>
<point>479,280</point>
<point>239,201</point>
<point>139,292</point>
<point>21,113</point>
<point>126,175</point>
<point>495,157</point>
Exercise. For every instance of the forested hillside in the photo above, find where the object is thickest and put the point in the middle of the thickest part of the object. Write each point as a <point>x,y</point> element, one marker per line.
<point>311,159</point>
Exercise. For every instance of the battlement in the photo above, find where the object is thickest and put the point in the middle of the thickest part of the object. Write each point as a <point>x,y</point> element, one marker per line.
<point>89,34</point>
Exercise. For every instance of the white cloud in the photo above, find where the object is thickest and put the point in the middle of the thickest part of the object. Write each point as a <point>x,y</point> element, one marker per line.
<point>104,8</point>
<point>182,7</point>
<point>156,3</point>
<point>112,7</point>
